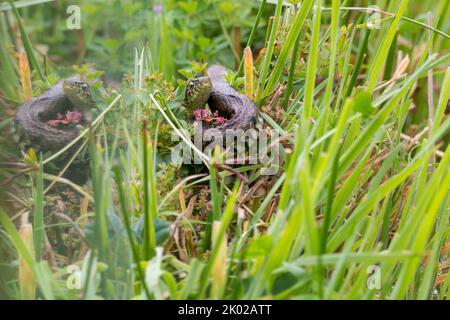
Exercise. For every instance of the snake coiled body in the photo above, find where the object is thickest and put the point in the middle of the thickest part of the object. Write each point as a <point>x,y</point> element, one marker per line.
<point>239,110</point>
<point>33,126</point>
<point>32,116</point>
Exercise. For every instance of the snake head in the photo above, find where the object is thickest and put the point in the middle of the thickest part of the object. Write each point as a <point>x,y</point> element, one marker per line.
<point>79,94</point>
<point>197,93</point>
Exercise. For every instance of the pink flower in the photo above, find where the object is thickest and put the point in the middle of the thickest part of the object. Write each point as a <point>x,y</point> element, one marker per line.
<point>201,114</point>
<point>53,123</point>
<point>205,115</point>
<point>198,115</point>
<point>157,8</point>
<point>71,117</point>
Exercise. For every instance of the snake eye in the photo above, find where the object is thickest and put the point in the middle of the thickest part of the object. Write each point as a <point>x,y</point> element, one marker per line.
<point>191,84</point>
<point>84,86</point>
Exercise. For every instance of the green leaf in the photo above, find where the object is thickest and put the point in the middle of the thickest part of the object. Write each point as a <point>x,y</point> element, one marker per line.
<point>288,280</point>
<point>189,7</point>
<point>186,73</point>
<point>162,231</point>
<point>204,43</point>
